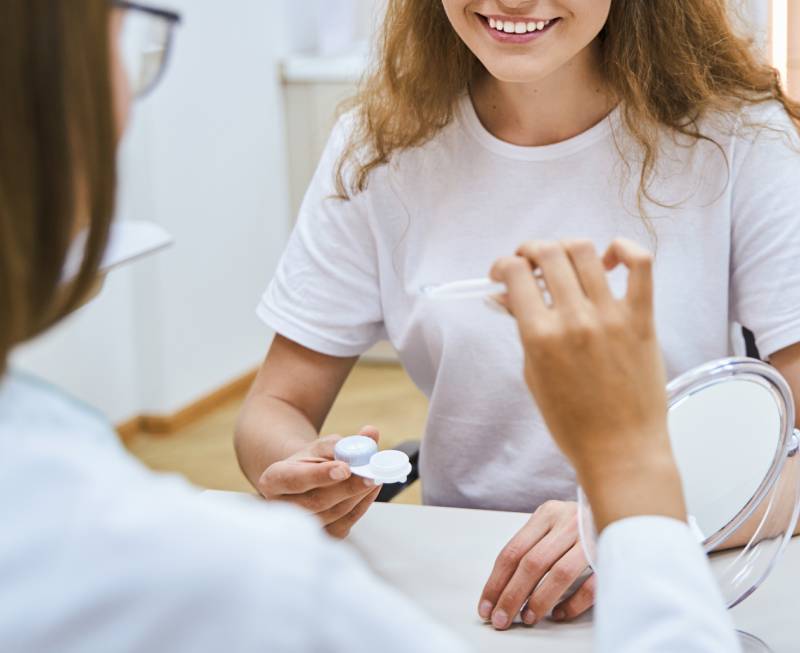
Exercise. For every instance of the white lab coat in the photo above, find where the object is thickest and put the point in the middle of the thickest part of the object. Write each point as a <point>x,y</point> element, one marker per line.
<point>97,554</point>
<point>656,593</point>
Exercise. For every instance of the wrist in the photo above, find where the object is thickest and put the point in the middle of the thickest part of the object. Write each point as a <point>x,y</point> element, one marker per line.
<point>634,484</point>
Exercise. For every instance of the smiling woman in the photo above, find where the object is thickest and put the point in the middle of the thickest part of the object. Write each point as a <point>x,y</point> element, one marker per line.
<point>656,122</point>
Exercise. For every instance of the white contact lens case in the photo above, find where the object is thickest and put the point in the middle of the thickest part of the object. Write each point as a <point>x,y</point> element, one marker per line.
<point>361,453</point>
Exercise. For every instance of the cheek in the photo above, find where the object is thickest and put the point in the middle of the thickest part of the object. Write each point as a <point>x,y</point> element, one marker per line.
<point>592,14</point>
<point>456,14</point>
<point>122,97</point>
<point>120,84</point>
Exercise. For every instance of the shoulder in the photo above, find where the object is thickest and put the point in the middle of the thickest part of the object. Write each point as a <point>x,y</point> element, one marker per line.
<point>434,155</point>
<point>767,146</point>
<point>764,114</point>
<point>764,123</point>
<point>29,405</point>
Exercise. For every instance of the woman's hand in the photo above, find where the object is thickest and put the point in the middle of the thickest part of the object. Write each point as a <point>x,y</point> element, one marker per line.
<point>594,366</point>
<point>313,480</point>
<point>534,570</point>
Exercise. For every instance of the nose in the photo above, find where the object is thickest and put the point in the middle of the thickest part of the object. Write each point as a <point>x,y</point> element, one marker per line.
<point>513,7</point>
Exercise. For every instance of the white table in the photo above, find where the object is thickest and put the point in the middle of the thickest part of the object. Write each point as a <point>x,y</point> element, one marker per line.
<point>441,557</point>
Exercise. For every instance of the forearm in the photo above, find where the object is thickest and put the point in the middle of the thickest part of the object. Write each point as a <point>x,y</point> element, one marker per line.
<point>782,506</point>
<point>787,362</point>
<point>269,430</point>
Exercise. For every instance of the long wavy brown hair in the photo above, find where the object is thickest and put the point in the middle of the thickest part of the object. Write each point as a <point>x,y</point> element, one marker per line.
<point>667,63</point>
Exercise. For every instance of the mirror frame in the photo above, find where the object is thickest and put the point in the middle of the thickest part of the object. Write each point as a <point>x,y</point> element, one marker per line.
<point>756,371</point>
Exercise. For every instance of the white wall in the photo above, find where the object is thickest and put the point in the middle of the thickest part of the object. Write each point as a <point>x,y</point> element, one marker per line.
<point>205,157</point>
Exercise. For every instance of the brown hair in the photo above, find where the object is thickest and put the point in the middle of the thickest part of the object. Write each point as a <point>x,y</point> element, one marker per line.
<point>57,157</point>
<point>668,63</point>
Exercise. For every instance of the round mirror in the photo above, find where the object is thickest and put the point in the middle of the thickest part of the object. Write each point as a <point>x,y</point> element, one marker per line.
<point>726,436</point>
<point>731,424</point>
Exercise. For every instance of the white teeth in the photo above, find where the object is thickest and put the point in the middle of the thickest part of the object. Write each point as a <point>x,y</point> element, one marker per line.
<point>510,27</point>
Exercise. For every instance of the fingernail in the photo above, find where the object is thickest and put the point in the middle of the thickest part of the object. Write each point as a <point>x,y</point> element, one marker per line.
<point>559,614</point>
<point>485,609</point>
<point>339,473</point>
<point>369,482</point>
<point>529,617</point>
<point>499,619</point>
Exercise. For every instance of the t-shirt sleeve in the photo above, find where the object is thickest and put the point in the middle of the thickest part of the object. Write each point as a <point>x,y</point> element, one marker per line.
<point>656,592</point>
<point>765,256</point>
<point>325,294</point>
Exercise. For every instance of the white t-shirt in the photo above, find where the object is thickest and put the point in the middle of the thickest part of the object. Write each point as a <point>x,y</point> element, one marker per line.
<point>729,251</point>
<point>97,554</point>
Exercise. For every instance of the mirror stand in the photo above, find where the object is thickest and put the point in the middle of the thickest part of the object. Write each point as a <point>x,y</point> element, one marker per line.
<point>751,643</point>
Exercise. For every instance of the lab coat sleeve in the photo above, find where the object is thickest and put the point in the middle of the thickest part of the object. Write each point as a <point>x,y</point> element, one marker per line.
<point>656,592</point>
<point>203,574</point>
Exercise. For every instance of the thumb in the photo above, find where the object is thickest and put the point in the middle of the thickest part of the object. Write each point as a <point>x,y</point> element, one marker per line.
<point>370,432</point>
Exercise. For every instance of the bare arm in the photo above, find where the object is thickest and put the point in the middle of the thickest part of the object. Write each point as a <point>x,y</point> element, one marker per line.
<point>277,437</point>
<point>787,362</point>
<point>287,405</point>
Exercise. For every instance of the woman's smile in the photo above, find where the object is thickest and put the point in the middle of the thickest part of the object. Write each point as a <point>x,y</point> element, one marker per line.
<point>519,29</point>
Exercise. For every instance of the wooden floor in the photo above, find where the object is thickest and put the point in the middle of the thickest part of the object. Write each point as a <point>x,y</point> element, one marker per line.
<point>377,394</point>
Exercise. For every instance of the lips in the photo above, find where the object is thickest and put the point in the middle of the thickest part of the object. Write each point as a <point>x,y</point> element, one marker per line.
<point>521,29</point>
<point>509,26</point>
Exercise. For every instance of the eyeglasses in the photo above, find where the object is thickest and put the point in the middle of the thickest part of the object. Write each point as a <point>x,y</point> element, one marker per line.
<point>145,43</point>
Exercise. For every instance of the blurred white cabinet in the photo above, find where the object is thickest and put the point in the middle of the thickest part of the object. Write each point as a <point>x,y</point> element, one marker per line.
<point>313,89</point>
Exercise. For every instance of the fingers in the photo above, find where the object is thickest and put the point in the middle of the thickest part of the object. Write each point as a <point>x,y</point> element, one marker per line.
<point>323,448</point>
<point>507,562</point>
<point>303,484</point>
<point>556,582</point>
<point>590,270</point>
<point>298,476</point>
<point>552,259</point>
<point>338,511</point>
<point>341,528</point>
<point>640,277</point>
<point>578,603</point>
<point>524,300</point>
<point>531,569</point>
<point>572,271</point>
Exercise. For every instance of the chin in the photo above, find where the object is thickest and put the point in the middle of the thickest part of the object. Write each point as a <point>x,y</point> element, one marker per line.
<point>525,74</point>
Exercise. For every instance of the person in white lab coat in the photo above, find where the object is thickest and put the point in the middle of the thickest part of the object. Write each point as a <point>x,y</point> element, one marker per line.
<point>98,554</point>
